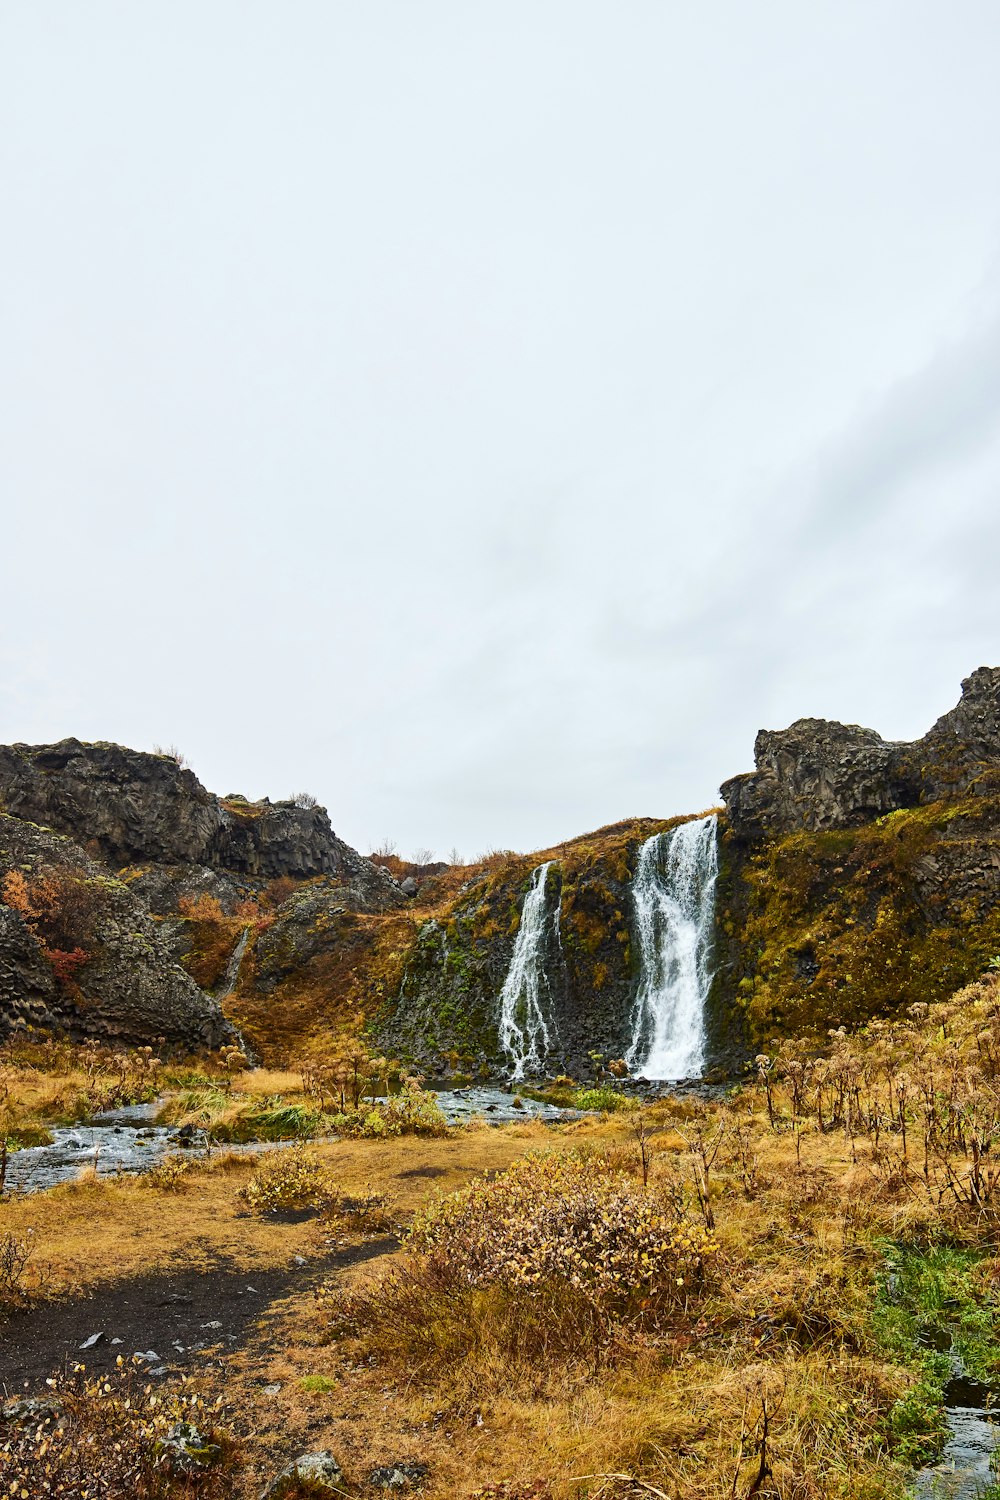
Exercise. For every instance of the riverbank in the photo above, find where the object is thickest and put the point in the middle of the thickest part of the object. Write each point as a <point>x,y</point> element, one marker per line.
<point>829,1222</point>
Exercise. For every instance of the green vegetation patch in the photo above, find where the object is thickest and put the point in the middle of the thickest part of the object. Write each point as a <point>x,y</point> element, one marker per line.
<point>845,925</point>
<point>928,1302</point>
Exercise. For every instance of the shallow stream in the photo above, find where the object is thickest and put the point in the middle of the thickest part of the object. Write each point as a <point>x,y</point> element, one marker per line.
<point>964,1470</point>
<point>127,1140</point>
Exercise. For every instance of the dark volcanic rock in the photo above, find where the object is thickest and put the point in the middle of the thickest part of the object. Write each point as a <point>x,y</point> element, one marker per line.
<point>130,807</point>
<point>27,984</point>
<point>309,923</point>
<point>961,753</point>
<point>819,775</point>
<point>128,989</point>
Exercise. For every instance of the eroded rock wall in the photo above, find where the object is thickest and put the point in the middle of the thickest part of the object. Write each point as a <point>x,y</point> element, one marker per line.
<point>129,807</point>
<point>860,876</point>
<point>121,983</point>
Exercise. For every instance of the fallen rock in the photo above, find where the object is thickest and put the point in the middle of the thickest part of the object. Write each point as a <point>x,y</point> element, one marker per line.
<point>31,1409</point>
<point>93,1341</point>
<point>320,1470</point>
<point>398,1476</point>
<point>184,1450</point>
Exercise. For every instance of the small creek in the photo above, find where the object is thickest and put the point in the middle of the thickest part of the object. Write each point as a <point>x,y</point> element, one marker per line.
<point>964,1470</point>
<point>122,1140</point>
<point>127,1140</point>
<point>495,1105</point>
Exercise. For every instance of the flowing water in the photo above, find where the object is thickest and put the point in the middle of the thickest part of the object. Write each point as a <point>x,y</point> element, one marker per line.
<point>232,973</point>
<point>527,1026</point>
<point>126,1140</point>
<point>123,1140</point>
<point>497,1106</point>
<point>674,895</point>
<point>964,1470</point>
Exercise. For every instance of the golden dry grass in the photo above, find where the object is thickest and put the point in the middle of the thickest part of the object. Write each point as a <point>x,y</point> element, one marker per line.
<point>801,1206</point>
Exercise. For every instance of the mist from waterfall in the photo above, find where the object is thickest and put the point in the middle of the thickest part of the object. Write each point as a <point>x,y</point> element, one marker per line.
<point>527,1024</point>
<point>674,894</point>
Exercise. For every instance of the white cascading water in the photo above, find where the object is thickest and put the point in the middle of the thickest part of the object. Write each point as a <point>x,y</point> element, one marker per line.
<point>674,894</point>
<point>527,1025</point>
<point>232,973</point>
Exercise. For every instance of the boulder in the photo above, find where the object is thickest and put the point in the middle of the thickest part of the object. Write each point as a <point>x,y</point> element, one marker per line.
<point>398,1476</point>
<point>320,1471</point>
<point>184,1450</point>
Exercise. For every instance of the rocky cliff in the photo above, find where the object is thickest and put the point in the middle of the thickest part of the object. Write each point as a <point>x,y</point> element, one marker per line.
<point>857,876</point>
<point>819,774</point>
<point>118,869</point>
<point>860,876</point>
<point>445,1010</point>
<point>79,953</point>
<point>129,807</point>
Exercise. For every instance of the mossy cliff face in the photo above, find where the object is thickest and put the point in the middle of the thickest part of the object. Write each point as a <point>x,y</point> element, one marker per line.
<point>446,1012</point>
<point>859,877</point>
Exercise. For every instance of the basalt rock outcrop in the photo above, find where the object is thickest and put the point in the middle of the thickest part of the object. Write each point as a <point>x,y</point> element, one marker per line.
<point>858,875</point>
<point>819,775</point>
<point>139,842</point>
<point>129,807</point>
<point>107,971</point>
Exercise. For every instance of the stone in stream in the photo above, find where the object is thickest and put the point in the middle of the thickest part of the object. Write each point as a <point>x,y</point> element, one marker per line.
<point>319,1470</point>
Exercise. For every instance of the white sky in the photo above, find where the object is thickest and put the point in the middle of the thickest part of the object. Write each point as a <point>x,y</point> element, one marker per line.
<point>487,416</point>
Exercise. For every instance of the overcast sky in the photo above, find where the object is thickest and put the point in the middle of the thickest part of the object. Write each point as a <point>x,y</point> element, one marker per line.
<point>487,416</point>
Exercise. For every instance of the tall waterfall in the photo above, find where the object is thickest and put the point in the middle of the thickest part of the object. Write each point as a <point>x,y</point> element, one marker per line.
<point>527,1025</point>
<point>674,894</point>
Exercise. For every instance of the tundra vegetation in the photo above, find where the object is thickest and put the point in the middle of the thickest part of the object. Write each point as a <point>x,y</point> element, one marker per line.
<point>698,1297</point>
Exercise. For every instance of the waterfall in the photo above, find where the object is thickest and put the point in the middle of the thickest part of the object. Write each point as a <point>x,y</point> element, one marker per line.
<point>527,1026</point>
<point>232,973</point>
<point>674,894</point>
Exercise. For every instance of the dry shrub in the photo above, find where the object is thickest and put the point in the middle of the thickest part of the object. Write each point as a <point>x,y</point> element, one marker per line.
<point>102,1437</point>
<point>15,1253</point>
<point>170,1173</point>
<point>567,1218</point>
<point>555,1256</point>
<point>367,1212</point>
<point>60,909</point>
<point>288,1181</point>
<point>200,908</point>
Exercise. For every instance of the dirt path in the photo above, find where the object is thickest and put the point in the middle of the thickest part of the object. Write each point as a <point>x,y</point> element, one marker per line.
<point>182,1318</point>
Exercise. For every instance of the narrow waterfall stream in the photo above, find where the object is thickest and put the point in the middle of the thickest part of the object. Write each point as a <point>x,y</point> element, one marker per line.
<point>232,973</point>
<point>674,894</point>
<point>527,1025</point>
